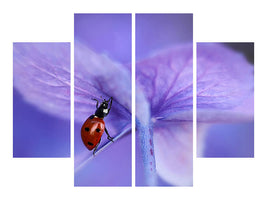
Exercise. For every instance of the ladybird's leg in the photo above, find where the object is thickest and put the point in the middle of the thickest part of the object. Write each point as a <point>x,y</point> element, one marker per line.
<point>110,99</point>
<point>109,137</point>
<point>96,103</point>
<point>96,147</point>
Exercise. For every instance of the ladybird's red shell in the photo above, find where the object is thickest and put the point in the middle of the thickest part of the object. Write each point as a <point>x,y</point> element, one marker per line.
<point>92,131</point>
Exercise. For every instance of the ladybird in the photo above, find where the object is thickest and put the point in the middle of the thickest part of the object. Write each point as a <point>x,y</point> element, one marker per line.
<point>94,127</point>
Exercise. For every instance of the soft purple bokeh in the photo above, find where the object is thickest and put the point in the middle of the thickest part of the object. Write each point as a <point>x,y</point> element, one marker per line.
<point>156,32</point>
<point>225,100</point>
<point>164,82</point>
<point>108,34</point>
<point>41,100</point>
<point>102,68</point>
<point>230,140</point>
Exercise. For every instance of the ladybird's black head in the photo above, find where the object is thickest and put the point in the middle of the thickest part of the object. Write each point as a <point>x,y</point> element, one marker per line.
<point>104,108</point>
<point>104,104</point>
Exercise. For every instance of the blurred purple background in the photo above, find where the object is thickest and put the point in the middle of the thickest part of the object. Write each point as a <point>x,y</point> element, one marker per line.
<point>110,35</point>
<point>38,134</point>
<point>155,32</point>
<point>230,140</point>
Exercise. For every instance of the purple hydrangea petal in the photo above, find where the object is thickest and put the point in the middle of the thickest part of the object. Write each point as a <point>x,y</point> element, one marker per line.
<point>42,75</point>
<point>174,150</point>
<point>102,53</point>
<point>97,76</point>
<point>165,79</point>
<point>225,85</point>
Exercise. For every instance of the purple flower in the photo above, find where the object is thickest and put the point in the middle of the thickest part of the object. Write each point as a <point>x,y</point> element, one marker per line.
<point>92,80</point>
<point>42,74</point>
<point>164,115</point>
<point>225,100</point>
<point>164,95</point>
<point>164,105</point>
<point>41,100</point>
<point>102,68</point>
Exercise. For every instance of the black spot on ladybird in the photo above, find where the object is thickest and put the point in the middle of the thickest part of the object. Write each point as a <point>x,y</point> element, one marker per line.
<point>98,130</point>
<point>86,129</point>
<point>89,143</point>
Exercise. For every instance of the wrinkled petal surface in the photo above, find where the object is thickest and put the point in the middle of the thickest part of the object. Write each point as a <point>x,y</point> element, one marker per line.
<point>97,76</point>
<point>225,85</point>
<point>166,82</point>
<point>42,75</point>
